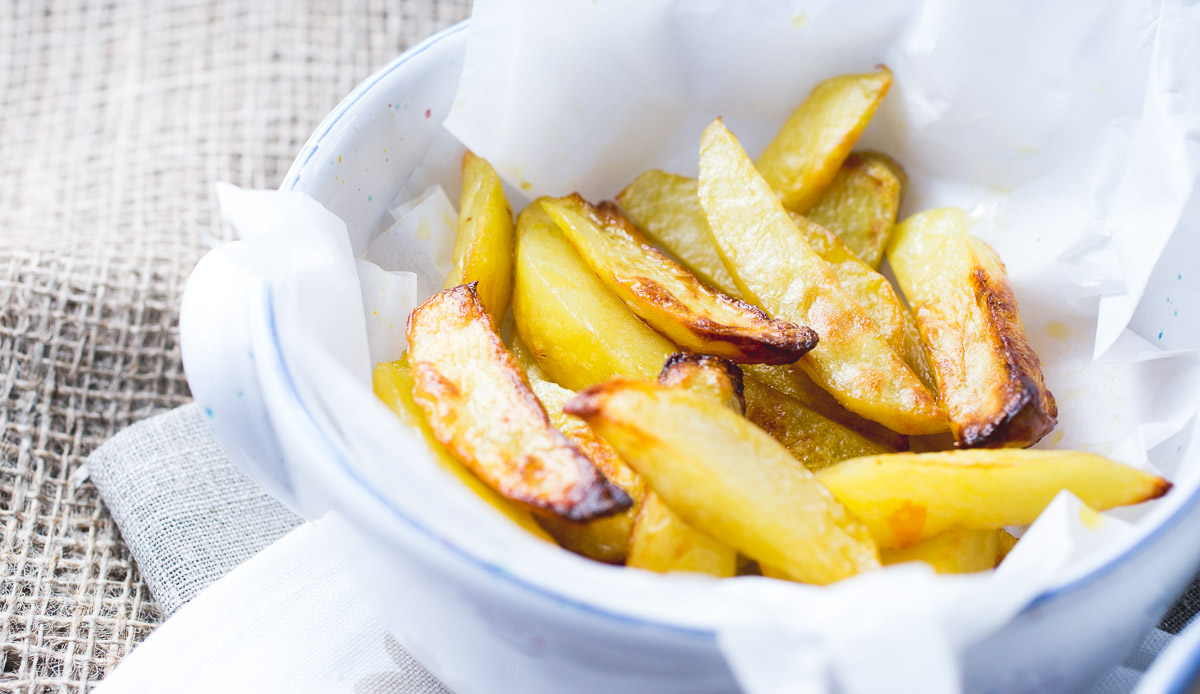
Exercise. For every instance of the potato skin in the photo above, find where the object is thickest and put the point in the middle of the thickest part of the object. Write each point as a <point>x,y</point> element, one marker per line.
<point>988,376</point>
<point>479,404</point>
<point>705,373</point>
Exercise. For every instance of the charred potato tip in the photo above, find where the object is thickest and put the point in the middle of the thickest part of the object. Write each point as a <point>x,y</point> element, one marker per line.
<point>686,370</point>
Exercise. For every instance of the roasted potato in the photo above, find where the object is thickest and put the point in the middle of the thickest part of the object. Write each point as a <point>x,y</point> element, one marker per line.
<point>794,383</point>
<point>720,378</point>
<point>988,376</point>
<point>393,384</point>
<point>669,205</point>
<point>812,439</point>
<point>728,478</point>
<point>956,551</point>
<point>479,405</point>
<point>861,203</point>
<point>483,248</point>
<point>668,297</point>
<point>577,330</point>
<point>905,498</point>
<point>666,207</point>
<point>771,263</point>
<point>811,146</point>
<point>603,539</point>
<point>662,541</point>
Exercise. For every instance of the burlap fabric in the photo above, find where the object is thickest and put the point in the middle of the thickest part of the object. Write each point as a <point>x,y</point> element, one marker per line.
<point>115,118</point>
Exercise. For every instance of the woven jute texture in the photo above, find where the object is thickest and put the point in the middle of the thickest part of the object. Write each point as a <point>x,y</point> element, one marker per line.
<point>115,118</point>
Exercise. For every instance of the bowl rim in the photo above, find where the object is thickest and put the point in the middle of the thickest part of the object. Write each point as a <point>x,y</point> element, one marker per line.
<point>1148,539</point>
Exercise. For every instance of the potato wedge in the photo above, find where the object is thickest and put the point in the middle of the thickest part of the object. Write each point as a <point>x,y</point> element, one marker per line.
<point>578,331</point>
<point>861,203</point>
<point>956,551</point>
<point>719,378</point>
<point>666,207</point>
<point>393,384</point>
<point>663,542</point>
<point>603,539</point>
<point>905,498</point>
<point>668,297</point>
<point>729,479</point>
<point>795,384</point>
<point>479,405</point>
<point>814,141</point>
<point>483,248</point>
<point>876,295</point>
<point>989,378</point>
<point>812,439</point>
<point>771,262</point>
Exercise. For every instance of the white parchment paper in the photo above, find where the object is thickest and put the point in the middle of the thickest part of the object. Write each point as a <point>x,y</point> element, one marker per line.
<point>1067,130</point>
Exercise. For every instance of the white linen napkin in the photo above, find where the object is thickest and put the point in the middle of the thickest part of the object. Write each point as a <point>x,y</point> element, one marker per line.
<point>288,619</point>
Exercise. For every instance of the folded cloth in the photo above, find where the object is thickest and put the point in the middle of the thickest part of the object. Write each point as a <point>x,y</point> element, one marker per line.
<point>288,619</point>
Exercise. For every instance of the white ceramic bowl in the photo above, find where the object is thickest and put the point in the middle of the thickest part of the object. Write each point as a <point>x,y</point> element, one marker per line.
<point>480,629</point>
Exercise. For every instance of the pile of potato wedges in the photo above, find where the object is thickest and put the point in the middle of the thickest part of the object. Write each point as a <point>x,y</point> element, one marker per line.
<point>713,375</point>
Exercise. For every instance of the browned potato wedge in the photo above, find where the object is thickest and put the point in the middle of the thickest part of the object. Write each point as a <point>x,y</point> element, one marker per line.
<point>483,248</point>
<point>662,541</point>
<point>578,331</point>
<point>668,297</point>
<point>861,203</point>
<point>772,263</point>
<point>813,440</point>
<point>811,146</point>
<point>989,378</point>
<point>702,373</point>
<point>905,498</point>
<point>729,479</point>
<point>393,384</point>
<point>667,208</point>
<point>603,539</point>
<point>956,551</point>
<point>794,383</point>
<point>479,405</point>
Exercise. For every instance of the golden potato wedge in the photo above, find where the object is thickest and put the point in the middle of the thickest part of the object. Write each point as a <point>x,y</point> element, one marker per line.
<point>664,543</point>
<point>479,405</point>
<point>956,551</point>
<point>1005,542</point>
<point>577,330</point>
<point>728,478</point>
<point>483,248</point>
<point>861,203</point>
<point>814,141</point>
<point>717,377</point>
<point>603,539</point>
<point>668,297</point>
<point>393,384</point>
<point>812,439</point>
<point>876,295</point>
<point>989,378</point>
<point>666,207</point>
<point>905,498</point>
<point>772,264</point>
<point>795,384</point>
